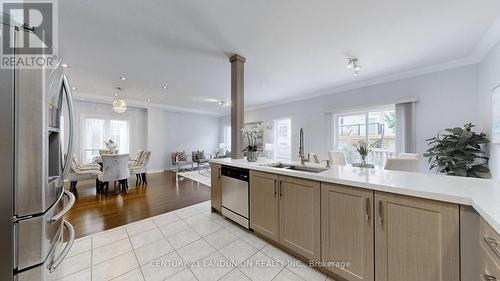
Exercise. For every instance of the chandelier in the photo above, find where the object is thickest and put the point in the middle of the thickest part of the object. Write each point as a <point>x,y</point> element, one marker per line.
<point>119,103</point>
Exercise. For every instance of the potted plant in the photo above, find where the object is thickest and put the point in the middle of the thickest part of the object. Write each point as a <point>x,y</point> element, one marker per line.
<point>363,149</point>
<point>458,153</point>
<point>251,134</point>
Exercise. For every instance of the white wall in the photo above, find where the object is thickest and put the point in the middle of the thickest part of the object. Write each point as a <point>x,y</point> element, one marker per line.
<point>488,78</point>
<point>135,116</point>
<point>445,99</point>
<point>189,132</point>
<point>156,139</point>
<point>159,131</point>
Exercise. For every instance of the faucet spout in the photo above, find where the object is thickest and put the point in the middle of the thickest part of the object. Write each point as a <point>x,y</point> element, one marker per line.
<point>301,147</point>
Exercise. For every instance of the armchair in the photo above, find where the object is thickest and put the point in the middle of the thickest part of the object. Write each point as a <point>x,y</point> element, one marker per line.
<point>200,158</point>
<point>179,158</point>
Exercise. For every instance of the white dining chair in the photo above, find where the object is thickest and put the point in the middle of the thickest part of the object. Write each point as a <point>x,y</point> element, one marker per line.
<point>79,174</point>
<point>140,169</point>
<point>115,168</point>
<point>407,165</point>
<point>336,158</point>
<point>404,155</point>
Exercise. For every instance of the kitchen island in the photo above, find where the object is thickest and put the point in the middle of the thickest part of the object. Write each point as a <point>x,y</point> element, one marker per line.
<point>387,225</point>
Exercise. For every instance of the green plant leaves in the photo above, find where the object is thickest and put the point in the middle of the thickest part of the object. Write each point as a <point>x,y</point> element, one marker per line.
<point>458,153</point>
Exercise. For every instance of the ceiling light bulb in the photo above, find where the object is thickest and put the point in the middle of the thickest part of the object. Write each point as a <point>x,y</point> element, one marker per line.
<point>350,66</point>
<point>357,68</point>
<point>164,87</point>
<point>123,78</point>
<point>65,65</point>
<point>356,74</point>
<point>74,88</point>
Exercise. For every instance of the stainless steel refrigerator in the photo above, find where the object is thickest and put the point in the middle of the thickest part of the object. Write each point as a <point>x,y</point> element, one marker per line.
<point>33,201</point>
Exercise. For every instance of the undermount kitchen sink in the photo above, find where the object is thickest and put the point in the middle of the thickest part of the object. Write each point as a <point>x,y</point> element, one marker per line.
<point>297,167</point>
<point>307,169</point>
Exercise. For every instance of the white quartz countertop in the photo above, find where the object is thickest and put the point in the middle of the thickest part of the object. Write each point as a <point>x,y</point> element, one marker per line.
<point>482,194</point>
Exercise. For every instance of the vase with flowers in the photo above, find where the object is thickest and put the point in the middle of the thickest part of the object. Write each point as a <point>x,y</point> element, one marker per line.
<point>251,134</point>
<point>363,148</point>
<point>111,146</point>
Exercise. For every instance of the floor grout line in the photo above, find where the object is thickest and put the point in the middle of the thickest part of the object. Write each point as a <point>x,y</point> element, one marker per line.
<point>232,228</point>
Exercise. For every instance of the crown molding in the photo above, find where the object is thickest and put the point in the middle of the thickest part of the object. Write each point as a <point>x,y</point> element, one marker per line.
<point>140,104</point>
<point>483,47</point>
<point>371,82</point>
<point>487,42</point>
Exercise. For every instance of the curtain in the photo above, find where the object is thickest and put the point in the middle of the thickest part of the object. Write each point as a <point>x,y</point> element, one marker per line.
<point>405,127</point>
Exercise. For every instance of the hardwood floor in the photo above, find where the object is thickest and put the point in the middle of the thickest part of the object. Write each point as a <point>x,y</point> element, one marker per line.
<point>94,213</point>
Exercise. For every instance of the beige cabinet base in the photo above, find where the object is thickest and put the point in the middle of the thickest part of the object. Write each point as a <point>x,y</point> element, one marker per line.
<point>416,239</point>
<point>347,231</point>
<point>216,187</point>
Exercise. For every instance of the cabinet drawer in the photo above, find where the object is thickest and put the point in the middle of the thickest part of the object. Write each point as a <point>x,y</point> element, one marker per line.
<point>490,270</point>
<point>490,240</point>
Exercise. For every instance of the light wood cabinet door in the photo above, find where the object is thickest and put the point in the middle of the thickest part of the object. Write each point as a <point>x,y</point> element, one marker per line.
<point>264,204</point>
<point>299,211</point>
<point>347,231</point>
<point>416,239</point>
<point>216,188</point>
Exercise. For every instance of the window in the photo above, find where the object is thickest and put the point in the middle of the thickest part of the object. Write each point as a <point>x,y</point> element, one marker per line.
<point>97,131</point>
<point>282,139</point>
<point>227,136</point>
<point>376,127</point>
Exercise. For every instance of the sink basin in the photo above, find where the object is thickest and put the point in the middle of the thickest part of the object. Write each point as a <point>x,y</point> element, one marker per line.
<point>307,169</point>
<point>279,165</point>
<point>297,167</point>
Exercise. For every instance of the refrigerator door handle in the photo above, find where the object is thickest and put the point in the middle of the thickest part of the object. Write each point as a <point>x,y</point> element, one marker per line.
<point>69,98</point>
<point>66,208</point>
<point>69,244</point>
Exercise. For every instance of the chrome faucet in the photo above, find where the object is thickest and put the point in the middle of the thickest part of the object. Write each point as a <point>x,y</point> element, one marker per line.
<point>302,157</point>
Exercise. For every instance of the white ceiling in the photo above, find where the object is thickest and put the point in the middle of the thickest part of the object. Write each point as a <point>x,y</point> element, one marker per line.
<point>294,49</point>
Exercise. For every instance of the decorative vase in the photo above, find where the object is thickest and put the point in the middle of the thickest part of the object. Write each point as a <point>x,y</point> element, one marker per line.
<point>363,159</point>
<point>252,156</point>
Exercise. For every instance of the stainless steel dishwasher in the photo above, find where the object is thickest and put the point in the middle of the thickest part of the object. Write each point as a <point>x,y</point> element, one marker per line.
<point>235,194</point>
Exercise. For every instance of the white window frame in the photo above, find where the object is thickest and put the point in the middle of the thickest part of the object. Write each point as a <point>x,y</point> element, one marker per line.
<point>107,119</point>
<point>360,111</point>
<point>275,133</point>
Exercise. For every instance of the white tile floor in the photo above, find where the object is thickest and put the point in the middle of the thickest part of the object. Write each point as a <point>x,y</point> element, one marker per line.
<point>186,244</point>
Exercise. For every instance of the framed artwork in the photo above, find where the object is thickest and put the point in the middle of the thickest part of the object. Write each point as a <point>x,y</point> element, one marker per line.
<point>495,114</point>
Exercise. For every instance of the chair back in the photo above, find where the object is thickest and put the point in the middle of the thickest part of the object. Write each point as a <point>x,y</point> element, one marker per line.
<point>114,167</point>
<point>104,151</point>
<point>407,165</point>
<point>403,155</point>
<point>336,158</point>
<point>145,159</point>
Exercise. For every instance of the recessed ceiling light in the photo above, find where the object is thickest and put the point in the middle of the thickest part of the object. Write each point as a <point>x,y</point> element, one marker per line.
<point>164,87</point>
<point>74,88</point>
<point>65,65</point>
<point>148,99</point>
<point>123,78</point>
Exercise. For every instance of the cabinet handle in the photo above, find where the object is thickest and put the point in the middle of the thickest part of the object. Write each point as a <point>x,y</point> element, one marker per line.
<point>281,189</point>
<point>380,212</point>
<point>275,192</point>
<point>488,277</point>
<point>219,173</point>
<point>367,209</point>
<point>493,244</point>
